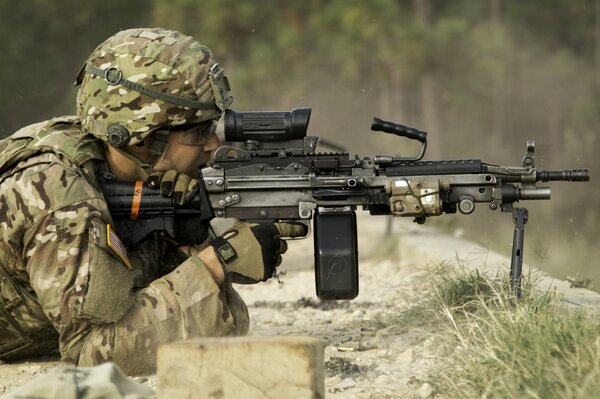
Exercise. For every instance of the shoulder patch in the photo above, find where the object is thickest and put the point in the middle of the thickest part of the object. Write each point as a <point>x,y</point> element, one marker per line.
<point>115,243</point>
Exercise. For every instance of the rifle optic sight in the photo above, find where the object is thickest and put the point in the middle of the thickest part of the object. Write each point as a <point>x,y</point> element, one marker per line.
<point>266,126</point>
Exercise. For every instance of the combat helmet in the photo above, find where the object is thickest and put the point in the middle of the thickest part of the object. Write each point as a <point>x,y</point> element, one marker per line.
<point>142,80</point>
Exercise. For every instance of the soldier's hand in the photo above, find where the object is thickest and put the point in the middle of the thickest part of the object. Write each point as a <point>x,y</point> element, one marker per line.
<point>181,187</point>
<point>250,252</point>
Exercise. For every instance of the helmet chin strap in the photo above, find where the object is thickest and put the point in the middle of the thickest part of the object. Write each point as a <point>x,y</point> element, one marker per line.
<point>157,148</point>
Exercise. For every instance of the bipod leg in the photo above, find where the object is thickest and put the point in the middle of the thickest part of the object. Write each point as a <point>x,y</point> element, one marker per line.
<point>516,264</point>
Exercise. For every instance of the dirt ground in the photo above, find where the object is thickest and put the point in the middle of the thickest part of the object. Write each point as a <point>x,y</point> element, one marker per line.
<point>375,346</point>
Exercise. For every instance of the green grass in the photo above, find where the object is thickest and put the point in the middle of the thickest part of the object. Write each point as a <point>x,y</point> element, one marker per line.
<point>498,347</point>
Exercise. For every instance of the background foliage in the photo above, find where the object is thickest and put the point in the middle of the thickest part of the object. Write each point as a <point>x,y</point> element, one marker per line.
<point>481,76</point>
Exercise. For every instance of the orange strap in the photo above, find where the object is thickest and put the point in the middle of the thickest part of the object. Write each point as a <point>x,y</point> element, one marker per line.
<point>137,199</point>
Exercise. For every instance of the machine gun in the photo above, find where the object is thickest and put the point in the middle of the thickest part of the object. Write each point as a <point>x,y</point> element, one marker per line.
<point>269,170</point>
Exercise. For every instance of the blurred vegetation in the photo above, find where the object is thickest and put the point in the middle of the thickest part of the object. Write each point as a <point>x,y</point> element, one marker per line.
<point>481,76</point>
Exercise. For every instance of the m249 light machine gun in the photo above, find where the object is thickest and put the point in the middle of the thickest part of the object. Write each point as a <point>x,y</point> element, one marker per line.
<point>268,170</point>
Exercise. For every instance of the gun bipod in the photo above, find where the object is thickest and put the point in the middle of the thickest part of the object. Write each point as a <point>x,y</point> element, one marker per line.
<point>520,217</point>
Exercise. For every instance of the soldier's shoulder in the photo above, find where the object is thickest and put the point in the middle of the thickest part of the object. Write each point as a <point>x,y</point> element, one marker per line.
<point>42,170</point>
<point>44,183</point>
<point>61,135</point>
<point>38,129</point>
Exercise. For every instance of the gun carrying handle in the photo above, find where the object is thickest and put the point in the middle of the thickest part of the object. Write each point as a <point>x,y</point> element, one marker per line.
<point>399,130</point>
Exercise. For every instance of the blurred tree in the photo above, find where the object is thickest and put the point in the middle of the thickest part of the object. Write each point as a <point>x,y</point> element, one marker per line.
<point>554,22</point>
<point>427,83</point>
<point>597,44</point>
<point>44,44</point>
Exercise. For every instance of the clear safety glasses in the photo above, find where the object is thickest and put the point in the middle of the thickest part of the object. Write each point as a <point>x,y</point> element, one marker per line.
<point>195,135</point>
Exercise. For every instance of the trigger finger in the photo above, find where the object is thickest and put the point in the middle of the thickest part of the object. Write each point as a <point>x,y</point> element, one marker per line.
<point>292,229</point>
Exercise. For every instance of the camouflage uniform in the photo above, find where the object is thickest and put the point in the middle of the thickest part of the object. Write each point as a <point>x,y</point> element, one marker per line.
<point>105,381</point>
<point>62,284</point>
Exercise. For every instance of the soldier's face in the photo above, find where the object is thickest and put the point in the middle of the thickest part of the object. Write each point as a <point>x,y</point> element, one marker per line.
<point>186,155</point>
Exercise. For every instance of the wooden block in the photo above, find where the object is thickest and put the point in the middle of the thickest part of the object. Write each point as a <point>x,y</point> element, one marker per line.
<point>242,367</point>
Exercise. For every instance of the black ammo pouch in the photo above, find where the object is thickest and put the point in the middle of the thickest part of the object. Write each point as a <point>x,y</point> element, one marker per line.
<point>24,329</point>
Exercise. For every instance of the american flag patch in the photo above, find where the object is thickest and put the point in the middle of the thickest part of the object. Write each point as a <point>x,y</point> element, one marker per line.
<point>114,242</point>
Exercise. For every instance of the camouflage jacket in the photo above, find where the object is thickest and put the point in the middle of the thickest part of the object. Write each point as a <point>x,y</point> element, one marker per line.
<point>60,277</point>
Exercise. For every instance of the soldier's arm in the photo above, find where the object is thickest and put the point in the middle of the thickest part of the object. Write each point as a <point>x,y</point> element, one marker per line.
<point>85,288</point>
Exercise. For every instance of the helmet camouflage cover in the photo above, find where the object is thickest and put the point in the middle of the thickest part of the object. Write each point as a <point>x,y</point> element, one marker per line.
<point>141,80</point>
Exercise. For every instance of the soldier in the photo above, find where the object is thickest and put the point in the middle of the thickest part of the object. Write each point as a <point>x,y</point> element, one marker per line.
<point>146,110</point>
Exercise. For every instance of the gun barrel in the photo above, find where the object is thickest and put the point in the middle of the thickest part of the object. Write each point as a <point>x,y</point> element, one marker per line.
<point>563,175</point>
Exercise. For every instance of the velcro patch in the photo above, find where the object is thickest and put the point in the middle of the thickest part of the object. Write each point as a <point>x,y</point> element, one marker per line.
<point>115,243</point>
<point>146,34</point>
<point>227,253</point>
<point>224,250</point>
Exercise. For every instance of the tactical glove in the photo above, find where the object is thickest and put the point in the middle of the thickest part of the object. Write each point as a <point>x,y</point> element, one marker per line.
<point>180,186</point>
<point>250,253</point>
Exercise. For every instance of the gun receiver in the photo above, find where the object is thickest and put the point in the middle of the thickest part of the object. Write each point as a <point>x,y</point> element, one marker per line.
<point>268,170</point>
